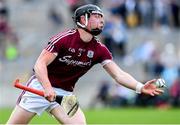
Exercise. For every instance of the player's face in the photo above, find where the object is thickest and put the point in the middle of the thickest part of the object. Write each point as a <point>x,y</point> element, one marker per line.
<point>96,21</point>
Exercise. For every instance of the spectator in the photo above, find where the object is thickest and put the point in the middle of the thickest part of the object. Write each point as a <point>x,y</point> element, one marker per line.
<point>74,4</point>
<point>161,12</point>
<point>175,12</point>
<point>102,96</point>
<point>175,92</point>
<point>154,67</point>
<point>54,16</point>
<point>121,96</point>
<point>145,8</point>
<point>3,9</point>
<point>8,40</point>
<point>169,58</point>
<point>115,35</point>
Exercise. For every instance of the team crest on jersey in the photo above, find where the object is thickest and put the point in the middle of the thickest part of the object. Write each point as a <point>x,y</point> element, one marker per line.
<point>90,53</point>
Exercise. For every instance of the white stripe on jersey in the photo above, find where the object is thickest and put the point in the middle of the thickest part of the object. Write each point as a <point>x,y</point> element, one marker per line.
<point>61,34</point>
<point>51,48</point>
<point>106,62</point>
<point>57,38</point>
<point>51,45</point>
<point>100,43</point>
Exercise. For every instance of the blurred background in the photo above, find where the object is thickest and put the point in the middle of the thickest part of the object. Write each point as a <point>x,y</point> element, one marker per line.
<point>143,36</point>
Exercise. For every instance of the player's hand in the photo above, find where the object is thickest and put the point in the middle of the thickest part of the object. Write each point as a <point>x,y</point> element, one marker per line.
<point>151,89</point>
<point>50,94</point>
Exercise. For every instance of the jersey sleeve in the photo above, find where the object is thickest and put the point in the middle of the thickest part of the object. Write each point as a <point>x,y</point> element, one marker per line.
<point>105,55</point>
<point>54,45</point>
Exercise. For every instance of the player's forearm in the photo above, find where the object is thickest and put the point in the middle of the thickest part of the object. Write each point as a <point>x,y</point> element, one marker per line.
<point>40,67</point>
<point>126,80</point>
<point>122,77</point>
<point>41,74</point>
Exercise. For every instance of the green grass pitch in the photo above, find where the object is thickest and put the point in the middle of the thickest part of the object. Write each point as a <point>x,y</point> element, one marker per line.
<point>113,116</point>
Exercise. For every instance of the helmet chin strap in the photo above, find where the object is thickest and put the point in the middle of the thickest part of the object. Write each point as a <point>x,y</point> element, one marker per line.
<point>86,23</point>
<point>93,32</point>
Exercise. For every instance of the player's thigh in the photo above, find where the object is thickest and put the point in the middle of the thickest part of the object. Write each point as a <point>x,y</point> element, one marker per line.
<point>20,116</point>
<point>62,117</point>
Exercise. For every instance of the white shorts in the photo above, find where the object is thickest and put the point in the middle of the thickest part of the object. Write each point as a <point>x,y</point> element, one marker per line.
<point>35,103</point>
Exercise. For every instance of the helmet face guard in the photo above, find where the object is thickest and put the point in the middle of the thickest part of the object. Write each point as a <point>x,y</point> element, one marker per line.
<point>87,10</point>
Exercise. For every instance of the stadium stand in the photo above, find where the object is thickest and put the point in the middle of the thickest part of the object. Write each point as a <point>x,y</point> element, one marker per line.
<point>30,19</point>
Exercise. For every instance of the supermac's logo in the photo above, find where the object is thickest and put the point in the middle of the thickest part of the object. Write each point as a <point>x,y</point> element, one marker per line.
<point>69,61</point>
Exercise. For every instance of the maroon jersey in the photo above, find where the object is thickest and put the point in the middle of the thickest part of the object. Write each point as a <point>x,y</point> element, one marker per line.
<point>74,58</point>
